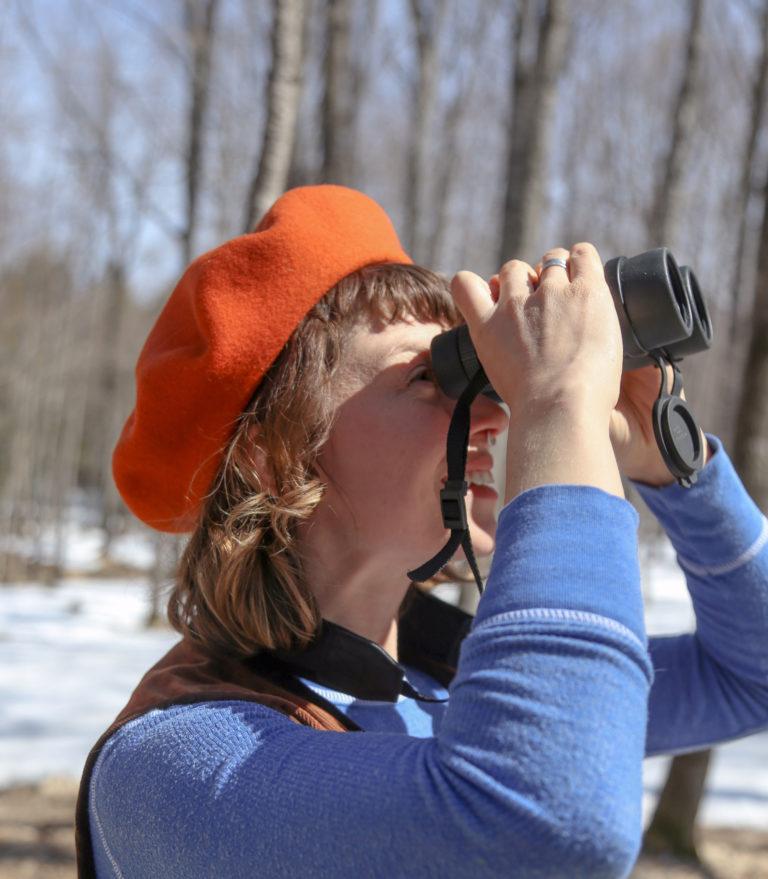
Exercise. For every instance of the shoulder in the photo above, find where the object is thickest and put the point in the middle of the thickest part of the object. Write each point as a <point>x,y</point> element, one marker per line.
<point>181,732</point>
<point>166,751</point>
<point>156,777</point>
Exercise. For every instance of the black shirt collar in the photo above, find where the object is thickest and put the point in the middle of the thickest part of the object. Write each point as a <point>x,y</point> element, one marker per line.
<point>430,633</point>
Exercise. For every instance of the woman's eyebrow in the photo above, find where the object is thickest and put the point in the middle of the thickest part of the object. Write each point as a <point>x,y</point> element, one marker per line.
<point>414,347</point>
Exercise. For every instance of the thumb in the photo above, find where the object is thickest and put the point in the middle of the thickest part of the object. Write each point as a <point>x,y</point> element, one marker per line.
<point>472,296</point>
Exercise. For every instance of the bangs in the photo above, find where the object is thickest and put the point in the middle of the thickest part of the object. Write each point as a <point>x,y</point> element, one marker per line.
<point>391,292</point>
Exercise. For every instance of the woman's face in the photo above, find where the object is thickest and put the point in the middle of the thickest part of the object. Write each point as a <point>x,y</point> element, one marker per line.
<point>386,455</point>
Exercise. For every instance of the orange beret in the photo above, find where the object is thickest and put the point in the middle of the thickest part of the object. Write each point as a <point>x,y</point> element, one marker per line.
<point>225,323</point>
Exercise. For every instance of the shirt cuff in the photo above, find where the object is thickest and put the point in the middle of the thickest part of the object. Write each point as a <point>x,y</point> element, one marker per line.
<point>567,547</point>
<point>712,523</point>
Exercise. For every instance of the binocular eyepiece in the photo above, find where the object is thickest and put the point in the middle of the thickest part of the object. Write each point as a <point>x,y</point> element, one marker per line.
<point>660,308</point>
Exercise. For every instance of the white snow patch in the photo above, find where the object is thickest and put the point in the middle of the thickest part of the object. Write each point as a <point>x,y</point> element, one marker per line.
<point>70,656</point>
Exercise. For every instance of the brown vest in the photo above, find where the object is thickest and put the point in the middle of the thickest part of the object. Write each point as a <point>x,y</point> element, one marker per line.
<point>430,635</point>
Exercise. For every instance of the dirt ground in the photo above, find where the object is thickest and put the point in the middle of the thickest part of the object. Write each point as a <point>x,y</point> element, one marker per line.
<point>36,841</point>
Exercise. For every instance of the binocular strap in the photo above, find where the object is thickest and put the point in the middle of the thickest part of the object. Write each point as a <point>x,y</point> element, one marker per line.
<point>452,504</point>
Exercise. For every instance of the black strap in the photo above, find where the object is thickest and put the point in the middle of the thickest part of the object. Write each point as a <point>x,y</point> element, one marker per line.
<point>452,504</point>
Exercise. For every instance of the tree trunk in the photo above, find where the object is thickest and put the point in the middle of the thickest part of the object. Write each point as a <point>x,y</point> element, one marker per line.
<point>167,549</point>
<point>531,122</point>
<point>108,371</point>
<point>759,91</point>
<point>283,96</point>
<point>448,152</point>
<point>673,827</point>
<point>199,22</point>
<point>750,453</point>
<point>337,109</point>
<point>427,17</point>
<point>667,209</point>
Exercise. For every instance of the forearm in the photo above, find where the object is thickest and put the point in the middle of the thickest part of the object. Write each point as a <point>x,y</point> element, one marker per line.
<point>565,445</point>
<point>713,685</point>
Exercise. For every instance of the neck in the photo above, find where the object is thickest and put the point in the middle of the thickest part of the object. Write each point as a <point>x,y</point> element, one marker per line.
<point>373,617</point>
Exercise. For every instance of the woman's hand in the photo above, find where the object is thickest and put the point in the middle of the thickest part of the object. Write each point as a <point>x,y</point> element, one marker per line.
<point>550,344</point>
<point>546,339</point>
<point>631,427</point>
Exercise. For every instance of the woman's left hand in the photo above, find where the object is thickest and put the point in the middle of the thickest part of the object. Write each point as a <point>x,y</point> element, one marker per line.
<point>631,427</point>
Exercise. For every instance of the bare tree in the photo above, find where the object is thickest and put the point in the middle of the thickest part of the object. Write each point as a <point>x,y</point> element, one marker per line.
<point>759,93</point>
<point>199,20</point>
<point>667,209</point>
<point>750,454</point>
<point>338,110</point>
<point>427,17</point>
<point>539,38</point>
<point>447,148</point>
<point>673,825</point>
<point>283,95</point>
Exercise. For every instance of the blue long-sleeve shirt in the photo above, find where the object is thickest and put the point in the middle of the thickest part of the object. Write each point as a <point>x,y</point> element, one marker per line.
<point>533,766</point>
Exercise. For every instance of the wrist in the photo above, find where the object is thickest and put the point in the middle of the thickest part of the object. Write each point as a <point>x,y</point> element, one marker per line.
<point>655,472</point>
<point>560,446</point>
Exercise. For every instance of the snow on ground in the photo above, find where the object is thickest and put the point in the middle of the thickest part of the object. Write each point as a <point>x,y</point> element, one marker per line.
<point>69,658</point>
<point>71,655</point>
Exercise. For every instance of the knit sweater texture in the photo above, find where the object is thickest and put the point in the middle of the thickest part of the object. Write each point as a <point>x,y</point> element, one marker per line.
<point>532,768</point>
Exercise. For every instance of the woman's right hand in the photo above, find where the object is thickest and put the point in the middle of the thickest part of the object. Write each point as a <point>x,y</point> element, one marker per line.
<point>546,340</point>
<point>551,347</point>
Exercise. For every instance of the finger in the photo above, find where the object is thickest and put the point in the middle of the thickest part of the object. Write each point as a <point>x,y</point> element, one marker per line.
<point>472,296</point>
<point>556,272</point>
<point>585,263</point>
<point>517,279</point>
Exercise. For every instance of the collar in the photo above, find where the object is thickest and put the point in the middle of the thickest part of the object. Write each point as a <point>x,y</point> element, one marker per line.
<point>430,633</point>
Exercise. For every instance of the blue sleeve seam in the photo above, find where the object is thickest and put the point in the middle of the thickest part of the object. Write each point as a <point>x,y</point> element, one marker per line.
<point>743,559</point>
<point>706,744</point>
<point>534,615</point>
<point>99,828</point>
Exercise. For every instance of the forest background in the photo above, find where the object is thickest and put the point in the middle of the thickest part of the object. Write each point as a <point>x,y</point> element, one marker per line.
<point>137,135</point>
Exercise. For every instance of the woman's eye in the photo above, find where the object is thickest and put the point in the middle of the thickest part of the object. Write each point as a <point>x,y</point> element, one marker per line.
<point>425,373</point>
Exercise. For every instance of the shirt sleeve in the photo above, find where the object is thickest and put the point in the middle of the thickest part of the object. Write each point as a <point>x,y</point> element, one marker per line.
<point>536,769</point>
<point>712,685</point>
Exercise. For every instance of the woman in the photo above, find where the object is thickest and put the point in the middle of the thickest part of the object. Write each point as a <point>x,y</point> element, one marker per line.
<point>286,415</point>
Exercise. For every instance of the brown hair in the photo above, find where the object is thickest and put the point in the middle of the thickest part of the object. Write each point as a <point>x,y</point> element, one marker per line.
<point>239,586</point>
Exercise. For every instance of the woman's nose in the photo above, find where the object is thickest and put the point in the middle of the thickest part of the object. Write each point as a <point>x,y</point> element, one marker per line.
<point>487,416</point>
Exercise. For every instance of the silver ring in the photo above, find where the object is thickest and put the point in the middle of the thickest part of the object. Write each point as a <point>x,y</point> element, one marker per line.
<point>555,261</point>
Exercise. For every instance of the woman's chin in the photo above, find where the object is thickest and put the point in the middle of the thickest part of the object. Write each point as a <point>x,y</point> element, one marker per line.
<point>482,532</point>
<point>482,518</point>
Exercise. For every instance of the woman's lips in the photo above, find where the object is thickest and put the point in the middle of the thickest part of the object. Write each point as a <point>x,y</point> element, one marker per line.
<point>484,491</point>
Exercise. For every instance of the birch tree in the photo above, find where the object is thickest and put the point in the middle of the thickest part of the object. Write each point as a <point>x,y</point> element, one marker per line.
<point>283,95</point>
<point>338,110</point>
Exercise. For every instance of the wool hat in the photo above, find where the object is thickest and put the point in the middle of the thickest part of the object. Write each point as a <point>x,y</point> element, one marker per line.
<point>225,323</point>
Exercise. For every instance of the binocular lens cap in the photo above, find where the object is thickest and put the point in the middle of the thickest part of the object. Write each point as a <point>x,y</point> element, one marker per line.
<point>682,440</point>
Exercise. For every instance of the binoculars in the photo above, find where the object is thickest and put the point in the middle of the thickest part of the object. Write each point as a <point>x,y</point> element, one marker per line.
<point>663,318</point>
<point>661,313</point>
